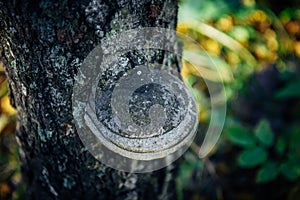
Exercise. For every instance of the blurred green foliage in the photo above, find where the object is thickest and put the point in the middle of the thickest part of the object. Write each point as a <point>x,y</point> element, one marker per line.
<point>257,146</point>
<point>255,46</point>
<point>10,177</point>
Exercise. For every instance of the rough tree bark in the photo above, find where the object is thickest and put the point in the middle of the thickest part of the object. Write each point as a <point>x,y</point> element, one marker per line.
<point>43,43</point>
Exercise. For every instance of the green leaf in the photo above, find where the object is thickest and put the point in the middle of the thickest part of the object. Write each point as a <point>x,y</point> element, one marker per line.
<point>241,33</point>
<point>204,10</point>
<point>294,157</point>
<point>267,173</point>
<point>3,89</point>
<point>290,171</point>
<point>239,136</point>
<point>198,94</point>
<point>252,157</point>
<point>264,133</point>
<point>294,140</point>
<point>289,91</point>
<point>192,80</point>
<point>280,146</point>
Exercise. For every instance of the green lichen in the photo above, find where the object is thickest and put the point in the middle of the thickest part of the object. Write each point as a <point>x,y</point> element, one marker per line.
<point>68,182</point>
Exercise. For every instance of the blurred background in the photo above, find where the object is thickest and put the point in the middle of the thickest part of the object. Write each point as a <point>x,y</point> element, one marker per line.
<point>255,46</point>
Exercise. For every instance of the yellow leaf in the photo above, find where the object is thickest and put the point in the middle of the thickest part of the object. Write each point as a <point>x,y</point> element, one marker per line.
<point>6,107</point>
<point>3,122</point>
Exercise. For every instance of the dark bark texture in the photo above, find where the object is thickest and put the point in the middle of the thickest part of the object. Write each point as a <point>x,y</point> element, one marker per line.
<point>43,43</point>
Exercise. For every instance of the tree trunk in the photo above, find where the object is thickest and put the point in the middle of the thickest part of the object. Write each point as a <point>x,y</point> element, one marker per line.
<point>43,43</point>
